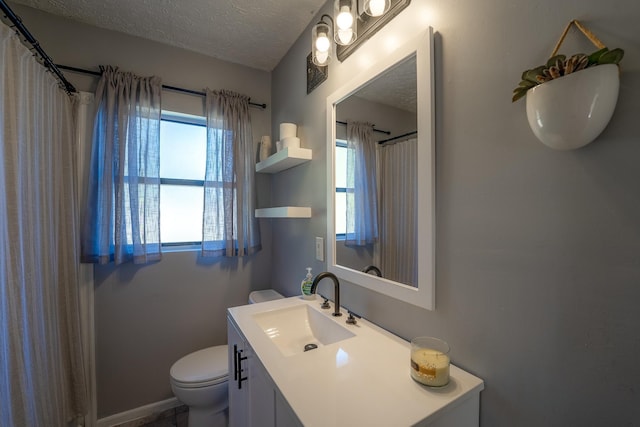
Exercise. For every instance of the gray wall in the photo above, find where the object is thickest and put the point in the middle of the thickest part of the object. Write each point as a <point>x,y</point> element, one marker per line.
<point>538,251</point>
<point>355,257</point>
<point>384,117</point>
<point>147,317</point>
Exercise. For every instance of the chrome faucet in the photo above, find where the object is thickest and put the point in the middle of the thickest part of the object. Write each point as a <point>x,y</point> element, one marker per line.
<point>373,268</point>
<point>336,290</point>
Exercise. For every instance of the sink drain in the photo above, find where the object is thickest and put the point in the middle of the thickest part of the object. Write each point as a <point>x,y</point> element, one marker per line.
<point>310,347</point>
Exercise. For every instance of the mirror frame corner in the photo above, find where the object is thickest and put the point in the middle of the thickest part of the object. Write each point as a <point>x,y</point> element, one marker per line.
<point>423,295</point>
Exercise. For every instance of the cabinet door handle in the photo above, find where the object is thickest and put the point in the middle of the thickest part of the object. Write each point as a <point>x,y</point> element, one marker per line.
<point>237,366</point>
<point>235,362</point>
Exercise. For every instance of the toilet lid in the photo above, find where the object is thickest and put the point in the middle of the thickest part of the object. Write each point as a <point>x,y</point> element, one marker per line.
<point>202,368</point>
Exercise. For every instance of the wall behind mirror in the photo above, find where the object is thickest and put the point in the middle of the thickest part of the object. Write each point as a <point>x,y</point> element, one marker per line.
<point>395,94</point>
<point>389,101</point>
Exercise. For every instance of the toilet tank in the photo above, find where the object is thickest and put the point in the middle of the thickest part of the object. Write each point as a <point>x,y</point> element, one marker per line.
<point>264,295</point>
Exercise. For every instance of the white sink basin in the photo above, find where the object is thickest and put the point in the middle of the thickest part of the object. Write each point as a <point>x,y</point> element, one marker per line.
<point>293,328</point>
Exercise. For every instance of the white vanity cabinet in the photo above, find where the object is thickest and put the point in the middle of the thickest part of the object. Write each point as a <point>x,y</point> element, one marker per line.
<point>254,399</point>
<point>238,377</point>
<point>357,378</point>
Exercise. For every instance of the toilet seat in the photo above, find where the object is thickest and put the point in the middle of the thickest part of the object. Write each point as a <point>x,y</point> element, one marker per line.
<point>202,368</point>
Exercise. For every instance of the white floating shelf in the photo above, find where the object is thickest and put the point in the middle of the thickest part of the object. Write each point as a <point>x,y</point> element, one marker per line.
<point>284,212</point>
<point>284,159</point>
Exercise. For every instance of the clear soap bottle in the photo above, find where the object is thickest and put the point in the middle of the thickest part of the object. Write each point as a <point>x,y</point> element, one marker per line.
<point>305,285</point>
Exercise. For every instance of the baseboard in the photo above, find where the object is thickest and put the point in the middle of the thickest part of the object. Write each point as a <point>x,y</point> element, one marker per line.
<point>134,414</point>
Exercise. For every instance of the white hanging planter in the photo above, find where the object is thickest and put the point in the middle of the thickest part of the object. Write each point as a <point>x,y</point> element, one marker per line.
<point>571,111</point>
<point>571,100</point>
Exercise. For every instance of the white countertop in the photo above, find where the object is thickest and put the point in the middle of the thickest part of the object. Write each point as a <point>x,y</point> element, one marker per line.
<point>363,380</point>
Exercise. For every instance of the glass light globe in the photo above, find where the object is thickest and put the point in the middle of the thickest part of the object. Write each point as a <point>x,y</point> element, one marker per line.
<point>344,20</point>
<point>323,43</point>
<point>345,36</point>
<point>321,57</point>
<point>376,7</point>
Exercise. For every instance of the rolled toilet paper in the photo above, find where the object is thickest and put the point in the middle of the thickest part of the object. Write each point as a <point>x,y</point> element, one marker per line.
<point>288,130</point>
<point>291,142</point>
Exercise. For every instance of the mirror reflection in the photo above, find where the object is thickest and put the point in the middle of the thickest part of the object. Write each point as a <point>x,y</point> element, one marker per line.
<point>376,208</point>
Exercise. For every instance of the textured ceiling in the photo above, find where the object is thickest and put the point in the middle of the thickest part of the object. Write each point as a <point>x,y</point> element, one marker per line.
<point>255,33</point>
<point>397,87</point>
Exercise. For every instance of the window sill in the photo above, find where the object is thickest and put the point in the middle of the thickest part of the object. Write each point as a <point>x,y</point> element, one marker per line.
<point>187,247</point>
<point>284,212</point>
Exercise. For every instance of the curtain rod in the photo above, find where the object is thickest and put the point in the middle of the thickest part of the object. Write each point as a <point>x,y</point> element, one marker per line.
<point>16,22</point>
<point>167,87</point>
<point>386,132</point>
<point>398,137</point>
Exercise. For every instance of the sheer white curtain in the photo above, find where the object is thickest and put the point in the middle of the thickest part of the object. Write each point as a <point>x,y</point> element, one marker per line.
<point>362,201</point>
<point>84,111</point>
<point>229,226</point>
<point>122,215</point>
<point>41,377</point>
<point>398,226</point>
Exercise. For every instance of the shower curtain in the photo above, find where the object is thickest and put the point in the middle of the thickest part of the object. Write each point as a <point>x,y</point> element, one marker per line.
<point>84,111</point>
<point>396,254</point>
<point>42,382</point>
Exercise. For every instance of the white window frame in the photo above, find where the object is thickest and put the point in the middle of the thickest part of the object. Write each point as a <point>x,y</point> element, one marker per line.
<point>342,143</point>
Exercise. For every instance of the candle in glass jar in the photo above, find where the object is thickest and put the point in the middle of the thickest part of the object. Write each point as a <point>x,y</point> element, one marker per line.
<point>430,367</point>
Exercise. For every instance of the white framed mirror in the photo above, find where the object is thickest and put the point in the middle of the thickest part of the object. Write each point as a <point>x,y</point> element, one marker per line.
<point>379,214</point>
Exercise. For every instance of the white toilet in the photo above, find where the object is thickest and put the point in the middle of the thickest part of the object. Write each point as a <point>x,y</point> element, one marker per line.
<point>200,379</point>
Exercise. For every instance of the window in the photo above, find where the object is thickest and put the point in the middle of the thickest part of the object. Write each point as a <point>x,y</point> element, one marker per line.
<point>341,189</point>
<point>183,146</point>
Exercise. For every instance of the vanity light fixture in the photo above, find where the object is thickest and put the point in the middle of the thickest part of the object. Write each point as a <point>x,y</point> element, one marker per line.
<point>321,41</point>
<point>345,15</point>
<point>342,27</point>
<point>348,28</point>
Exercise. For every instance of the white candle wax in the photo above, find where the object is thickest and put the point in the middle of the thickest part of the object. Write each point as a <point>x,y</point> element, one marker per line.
<point>430,367</point>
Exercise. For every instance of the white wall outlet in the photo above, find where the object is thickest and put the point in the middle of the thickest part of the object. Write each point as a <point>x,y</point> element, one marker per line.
<point>319,248</point>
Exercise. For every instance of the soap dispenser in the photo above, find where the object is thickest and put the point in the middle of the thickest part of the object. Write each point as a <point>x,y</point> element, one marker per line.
<point>305,286</point>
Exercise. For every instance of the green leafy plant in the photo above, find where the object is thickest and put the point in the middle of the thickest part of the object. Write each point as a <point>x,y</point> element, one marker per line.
<point>559,65</point>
